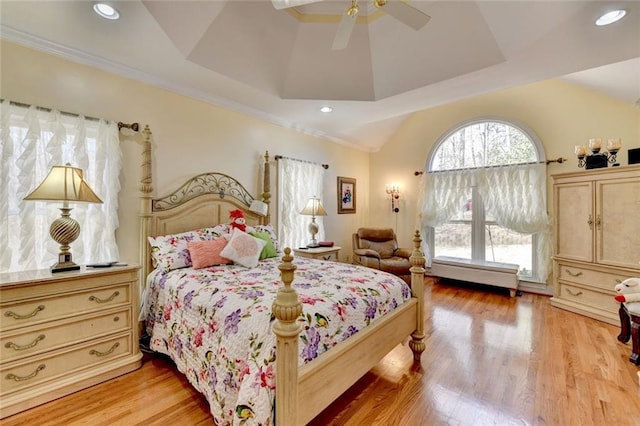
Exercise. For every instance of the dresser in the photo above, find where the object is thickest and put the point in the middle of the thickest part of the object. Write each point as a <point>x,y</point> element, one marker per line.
<point>324,253</point>
<point>597,238</point>
<point>63,332</point>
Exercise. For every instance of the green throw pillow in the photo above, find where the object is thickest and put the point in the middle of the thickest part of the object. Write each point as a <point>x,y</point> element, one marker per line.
<point>269,249</point>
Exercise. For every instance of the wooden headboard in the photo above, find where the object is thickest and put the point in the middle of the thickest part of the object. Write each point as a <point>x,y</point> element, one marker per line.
<point>203,201</point>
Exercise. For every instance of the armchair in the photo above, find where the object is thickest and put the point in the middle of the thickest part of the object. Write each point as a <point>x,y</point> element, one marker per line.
<point>378,248</point>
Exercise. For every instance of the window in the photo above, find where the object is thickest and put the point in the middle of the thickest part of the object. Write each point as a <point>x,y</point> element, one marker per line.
<point>32,140</point>
<point>485,197</point>
<point>298,181</point>
<point>484,144</point>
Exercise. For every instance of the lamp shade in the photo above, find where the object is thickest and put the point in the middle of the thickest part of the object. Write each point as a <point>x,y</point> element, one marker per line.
<point>314,208</point>
<point>64,183</point>
<point>258,207</point>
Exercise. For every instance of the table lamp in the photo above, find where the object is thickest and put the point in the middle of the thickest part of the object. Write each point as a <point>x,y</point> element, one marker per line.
<point>66,184</point>
<point>313,208</point>
<point>259,207</point>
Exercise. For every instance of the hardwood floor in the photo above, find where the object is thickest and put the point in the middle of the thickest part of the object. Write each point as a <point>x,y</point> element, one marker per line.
<point>490,360</point>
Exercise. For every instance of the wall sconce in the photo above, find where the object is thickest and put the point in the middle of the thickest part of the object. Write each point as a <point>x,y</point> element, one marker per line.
<point>394,191</point>
<point>598,159</point>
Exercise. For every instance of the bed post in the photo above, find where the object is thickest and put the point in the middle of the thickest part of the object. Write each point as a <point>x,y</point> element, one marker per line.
<point>417,289</point>
<point>145,205</point>
<point>266,186</point>
<point>287,308</point>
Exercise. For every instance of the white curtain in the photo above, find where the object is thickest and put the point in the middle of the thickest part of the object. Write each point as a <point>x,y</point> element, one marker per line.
<point>514,195</point>
<point>440,196</point>
<point>516,198</point>
<point>32,141</point>
<point>297,182</point>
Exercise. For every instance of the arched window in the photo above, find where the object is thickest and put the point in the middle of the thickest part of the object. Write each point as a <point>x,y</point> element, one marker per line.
<point>485,143</point>
<point>484,197</point>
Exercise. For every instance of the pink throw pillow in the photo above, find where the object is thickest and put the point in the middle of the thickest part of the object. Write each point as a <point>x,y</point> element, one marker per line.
<point>207,253</point>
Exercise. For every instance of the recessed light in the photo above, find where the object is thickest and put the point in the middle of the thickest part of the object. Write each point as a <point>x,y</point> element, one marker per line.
<point>106,11</point>
<point>326,109</point>
<point>611,17</point>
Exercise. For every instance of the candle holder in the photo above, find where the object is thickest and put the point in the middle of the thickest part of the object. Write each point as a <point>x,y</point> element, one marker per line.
<point>612,157</point>
<point>598,158</point>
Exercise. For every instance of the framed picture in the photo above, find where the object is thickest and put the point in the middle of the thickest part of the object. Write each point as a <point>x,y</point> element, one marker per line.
<point>346,195</point>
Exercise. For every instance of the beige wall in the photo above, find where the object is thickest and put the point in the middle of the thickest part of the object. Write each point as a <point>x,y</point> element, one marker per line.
<point>561,114</point>
<point>190,137</point>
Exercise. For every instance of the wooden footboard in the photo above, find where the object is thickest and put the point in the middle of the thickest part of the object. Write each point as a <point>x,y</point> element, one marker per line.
<point>318,383</point>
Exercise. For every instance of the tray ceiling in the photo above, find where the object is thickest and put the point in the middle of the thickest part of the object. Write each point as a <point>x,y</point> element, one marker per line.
<point>278,64</point>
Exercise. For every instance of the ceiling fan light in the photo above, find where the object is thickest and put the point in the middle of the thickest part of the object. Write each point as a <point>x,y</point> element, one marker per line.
<point>611,17</point>
<point>106,11</point>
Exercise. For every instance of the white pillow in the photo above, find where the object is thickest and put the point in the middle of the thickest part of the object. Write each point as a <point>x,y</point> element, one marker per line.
<point>243,249</point>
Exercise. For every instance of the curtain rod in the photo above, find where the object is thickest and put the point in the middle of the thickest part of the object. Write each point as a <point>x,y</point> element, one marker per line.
<point>559,160</point>
<point>324,166</point>
<point>44,109</point>
<point>134,126</point>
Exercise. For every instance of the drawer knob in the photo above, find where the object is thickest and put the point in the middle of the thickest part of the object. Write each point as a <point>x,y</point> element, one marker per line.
<point>98,353</point>
<point>573,274</point>
<point>579,293</point>
<point>12,376</point>
<point>108,299</point>
<point>27,346</point>
<point>19,317</point>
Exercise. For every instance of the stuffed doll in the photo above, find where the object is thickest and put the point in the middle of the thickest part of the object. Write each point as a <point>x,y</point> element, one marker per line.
<point>238,220</point>
<point>628,290</point>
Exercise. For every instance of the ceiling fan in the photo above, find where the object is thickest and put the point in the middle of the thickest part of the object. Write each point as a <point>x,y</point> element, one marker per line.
<point>398,9</point>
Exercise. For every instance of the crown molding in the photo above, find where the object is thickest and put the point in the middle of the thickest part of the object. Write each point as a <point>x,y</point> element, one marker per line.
<point>37,43</point>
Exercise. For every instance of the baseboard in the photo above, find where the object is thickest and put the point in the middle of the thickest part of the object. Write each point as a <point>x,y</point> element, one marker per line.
<point>488,273</point>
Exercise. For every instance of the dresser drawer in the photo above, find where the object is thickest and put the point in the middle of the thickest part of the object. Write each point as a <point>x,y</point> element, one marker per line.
<point>35,340</point>
<point>48,309</point>
<point>27,285</point>
<point>584,296</point>
<point>590,277</point>
<point>55,365</point>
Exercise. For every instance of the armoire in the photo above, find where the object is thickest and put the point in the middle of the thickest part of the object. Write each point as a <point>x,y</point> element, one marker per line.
<point>597,238</point>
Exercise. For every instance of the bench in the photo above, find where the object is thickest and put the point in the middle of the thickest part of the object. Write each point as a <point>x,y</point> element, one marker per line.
<point>476,271</point>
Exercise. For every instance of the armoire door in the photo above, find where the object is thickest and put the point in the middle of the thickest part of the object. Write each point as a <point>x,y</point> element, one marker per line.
<point>574,221</point>
<point>617,220</point>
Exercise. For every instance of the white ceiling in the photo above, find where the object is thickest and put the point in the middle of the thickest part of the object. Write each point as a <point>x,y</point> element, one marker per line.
<point>278,64</point>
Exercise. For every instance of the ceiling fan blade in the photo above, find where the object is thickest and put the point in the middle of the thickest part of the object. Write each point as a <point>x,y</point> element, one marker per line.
<point>283,4</point>
<point>406,14</point>
<point>345,29</point>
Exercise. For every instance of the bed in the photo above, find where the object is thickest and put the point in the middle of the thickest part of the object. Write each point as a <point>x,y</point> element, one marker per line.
<point>277,342</point>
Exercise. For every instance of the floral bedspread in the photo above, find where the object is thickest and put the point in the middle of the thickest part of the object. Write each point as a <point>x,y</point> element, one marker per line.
<point>215,323</point>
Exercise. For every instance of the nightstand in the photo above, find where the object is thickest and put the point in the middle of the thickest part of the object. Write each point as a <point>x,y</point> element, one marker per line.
<point>64,332</point>
<point>324,253</point>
